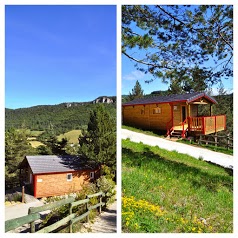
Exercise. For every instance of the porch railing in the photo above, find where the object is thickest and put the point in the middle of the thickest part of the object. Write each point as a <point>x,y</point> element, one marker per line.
<point>207,125</point>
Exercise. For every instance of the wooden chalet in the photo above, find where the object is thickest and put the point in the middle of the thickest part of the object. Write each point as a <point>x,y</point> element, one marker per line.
<point>51,175</point>
<point>175,114</point>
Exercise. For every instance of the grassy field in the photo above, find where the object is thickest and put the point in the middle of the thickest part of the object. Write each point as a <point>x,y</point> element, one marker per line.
<point>72,136</point>
<point>35,143</point>
<point>166,191</point>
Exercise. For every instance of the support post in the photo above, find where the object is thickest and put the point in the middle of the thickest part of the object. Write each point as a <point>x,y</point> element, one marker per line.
<point>70,222</point>
<point>215,139</point>
<point>23,194</point>
<point>87,207</point>
<point>100,201</point>
<point>228,141</point>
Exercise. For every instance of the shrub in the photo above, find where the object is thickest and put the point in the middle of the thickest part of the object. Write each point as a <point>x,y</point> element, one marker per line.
<point>107,186</point>
<point>14,197</point>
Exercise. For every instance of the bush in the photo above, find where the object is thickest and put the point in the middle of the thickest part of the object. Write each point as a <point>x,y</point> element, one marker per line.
<point>14,197</point>
<point>107,186</point>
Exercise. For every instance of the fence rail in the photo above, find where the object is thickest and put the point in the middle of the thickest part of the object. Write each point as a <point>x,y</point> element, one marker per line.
<point>33,214</point>
<point>227,145</point>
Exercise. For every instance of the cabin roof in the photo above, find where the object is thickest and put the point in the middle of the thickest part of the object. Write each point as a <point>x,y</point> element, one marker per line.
<point>188,98</point>
<point>42,164</point>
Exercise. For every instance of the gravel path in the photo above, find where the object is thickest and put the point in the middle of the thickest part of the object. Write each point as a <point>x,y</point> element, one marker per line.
<point>105,223</point>
<point>221,159</point>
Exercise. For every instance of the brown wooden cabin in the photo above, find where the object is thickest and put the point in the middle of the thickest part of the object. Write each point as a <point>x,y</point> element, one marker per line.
<point>175,114</point>
<point>51,175</point>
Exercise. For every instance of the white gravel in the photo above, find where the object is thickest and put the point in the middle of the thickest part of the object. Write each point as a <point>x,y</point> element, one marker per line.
<point>207,155</point>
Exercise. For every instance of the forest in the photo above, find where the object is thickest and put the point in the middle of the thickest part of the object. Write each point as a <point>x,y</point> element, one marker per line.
<point>60,118</point>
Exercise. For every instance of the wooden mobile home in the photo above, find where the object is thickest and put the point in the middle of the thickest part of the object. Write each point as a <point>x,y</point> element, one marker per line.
<point>51,175</point>
<point>175,114</point>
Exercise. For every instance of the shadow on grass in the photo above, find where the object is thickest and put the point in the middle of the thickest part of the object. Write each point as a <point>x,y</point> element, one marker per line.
<point>208,180</point>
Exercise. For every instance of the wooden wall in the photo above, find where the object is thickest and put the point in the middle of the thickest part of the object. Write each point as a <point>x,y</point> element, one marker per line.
<point>47,185</point>
<point>143,116</point>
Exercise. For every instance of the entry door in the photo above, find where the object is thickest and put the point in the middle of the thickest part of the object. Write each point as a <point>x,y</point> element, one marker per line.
<point>184,113</point>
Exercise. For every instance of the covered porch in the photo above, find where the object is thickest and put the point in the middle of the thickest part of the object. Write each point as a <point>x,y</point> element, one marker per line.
<point>186,120</point>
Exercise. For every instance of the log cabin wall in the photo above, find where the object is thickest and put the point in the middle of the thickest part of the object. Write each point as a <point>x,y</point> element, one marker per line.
<point>150,116</point>
<point>47,185</point>
<point>177,114</point>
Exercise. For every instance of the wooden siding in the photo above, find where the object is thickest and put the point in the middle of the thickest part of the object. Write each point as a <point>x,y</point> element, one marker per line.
<point>143,116</point>
<point>47,185</point>
<point>177,114</point>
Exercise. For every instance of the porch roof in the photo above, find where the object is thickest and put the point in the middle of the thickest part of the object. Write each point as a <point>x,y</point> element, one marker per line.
<point>188,98</point>
<point>42,164</point>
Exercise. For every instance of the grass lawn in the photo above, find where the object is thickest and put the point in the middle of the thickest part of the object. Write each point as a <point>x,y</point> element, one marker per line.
<point>35,143</point>
<point>166,191</point>
<point>72,136</point>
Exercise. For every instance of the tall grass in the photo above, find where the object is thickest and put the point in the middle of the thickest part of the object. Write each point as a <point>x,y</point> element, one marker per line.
<point>166,191</point>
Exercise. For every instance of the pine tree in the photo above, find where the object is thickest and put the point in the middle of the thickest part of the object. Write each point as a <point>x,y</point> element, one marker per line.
<point>137,92</point>
<point>98,143</point>
<point>16,148</point>
<point>182,42</point>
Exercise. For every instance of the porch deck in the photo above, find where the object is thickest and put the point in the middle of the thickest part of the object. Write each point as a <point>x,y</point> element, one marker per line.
<point>206,125</point>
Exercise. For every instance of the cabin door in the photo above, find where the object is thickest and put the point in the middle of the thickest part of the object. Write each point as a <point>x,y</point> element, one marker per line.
<point>184,113</point>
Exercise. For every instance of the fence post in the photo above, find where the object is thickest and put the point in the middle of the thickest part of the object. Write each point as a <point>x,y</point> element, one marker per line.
<point>228,141</point>
<point>23,194</point>
<point>32,224</point>
<point>70,222</point>
<point>215,137</point>
<point>100,201</point>
<point>33,227</point>
<point>87,207</point>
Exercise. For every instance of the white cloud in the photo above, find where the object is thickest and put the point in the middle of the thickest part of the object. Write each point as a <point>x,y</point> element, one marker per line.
<point>133,76</point>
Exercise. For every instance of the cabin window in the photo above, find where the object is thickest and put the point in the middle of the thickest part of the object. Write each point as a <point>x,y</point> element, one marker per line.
<point>175,108</point>
<point>69,177</point>
<point>142,112</point>
<point>157,110</point>
<point>91,175</point>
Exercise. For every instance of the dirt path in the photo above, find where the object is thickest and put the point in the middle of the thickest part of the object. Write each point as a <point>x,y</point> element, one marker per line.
<point>221,159</point>
<point>105,223</point>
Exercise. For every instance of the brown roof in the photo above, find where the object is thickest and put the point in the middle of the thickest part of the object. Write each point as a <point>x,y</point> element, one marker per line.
<point>187,97</point>
<point>41,164</point>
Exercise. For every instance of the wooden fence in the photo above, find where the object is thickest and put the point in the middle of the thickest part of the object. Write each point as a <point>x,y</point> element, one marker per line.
<point>33,214</point>
<point>227,139</point>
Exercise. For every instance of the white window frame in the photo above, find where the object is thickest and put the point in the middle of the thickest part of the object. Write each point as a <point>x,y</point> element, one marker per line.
<point>92,175</point>
<point>71,177</point>
<point>157,110</point>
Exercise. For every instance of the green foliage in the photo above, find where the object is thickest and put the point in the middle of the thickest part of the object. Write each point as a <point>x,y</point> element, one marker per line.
<point>107,186</point>
<point>53,118</point>
<point>169,192</point>
<point>191,47</point>
<point>137,92</point>
<point>16,148</point>
<point>16,197</point>
<point>98,143</point>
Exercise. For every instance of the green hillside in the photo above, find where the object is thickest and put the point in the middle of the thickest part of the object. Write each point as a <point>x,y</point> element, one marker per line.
<point>61,118</point>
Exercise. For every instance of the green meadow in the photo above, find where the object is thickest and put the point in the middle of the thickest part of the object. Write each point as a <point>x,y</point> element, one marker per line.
<point>168,192</point>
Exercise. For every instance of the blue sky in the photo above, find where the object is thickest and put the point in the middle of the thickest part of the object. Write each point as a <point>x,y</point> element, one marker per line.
<point>56,54</point>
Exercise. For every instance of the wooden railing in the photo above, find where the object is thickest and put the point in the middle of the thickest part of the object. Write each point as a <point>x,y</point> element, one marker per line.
<point>33,214</point>
<point>208,124</point>
<point>169,126</point>
<point>184,128</point>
